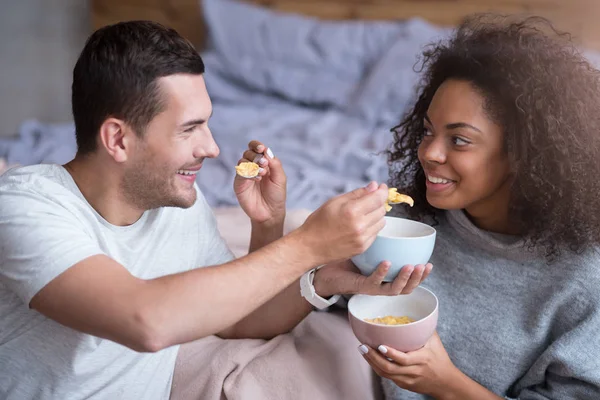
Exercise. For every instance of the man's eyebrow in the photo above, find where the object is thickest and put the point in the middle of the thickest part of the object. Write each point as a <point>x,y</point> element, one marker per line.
<point>192,122</point>
<point>197,121</point>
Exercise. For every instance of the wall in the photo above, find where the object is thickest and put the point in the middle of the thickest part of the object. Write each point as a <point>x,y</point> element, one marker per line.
<point>39,44</point>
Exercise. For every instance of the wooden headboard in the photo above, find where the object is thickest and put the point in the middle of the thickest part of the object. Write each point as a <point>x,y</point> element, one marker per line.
<point>579,17</point>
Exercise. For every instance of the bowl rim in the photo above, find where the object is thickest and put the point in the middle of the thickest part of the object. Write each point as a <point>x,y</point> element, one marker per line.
<point>437,303</point>
<point>389,217</point>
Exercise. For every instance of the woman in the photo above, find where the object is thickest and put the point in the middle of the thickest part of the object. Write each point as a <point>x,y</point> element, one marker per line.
<point>502,151</point>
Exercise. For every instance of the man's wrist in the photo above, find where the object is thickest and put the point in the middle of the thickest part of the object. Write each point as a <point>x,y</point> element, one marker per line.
<point>302,245</point>
<point>274,223</point>
<point>309,292</point>
<point>265,232</point>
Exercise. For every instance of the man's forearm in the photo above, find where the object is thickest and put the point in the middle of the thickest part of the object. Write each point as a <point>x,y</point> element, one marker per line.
<point>187,306</point>
<point>265,233</point>
<point>279,315</point>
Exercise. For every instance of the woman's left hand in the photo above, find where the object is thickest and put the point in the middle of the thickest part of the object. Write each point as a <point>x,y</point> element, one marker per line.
<point>344,278</point>
<point>428,370</point>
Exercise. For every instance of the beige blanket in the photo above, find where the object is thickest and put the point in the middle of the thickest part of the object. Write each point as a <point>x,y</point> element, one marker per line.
<point>319,360</point>
<point>235,227</point>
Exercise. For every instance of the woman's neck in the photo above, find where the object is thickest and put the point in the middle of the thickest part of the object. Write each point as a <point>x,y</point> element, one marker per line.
<point>492,214</point>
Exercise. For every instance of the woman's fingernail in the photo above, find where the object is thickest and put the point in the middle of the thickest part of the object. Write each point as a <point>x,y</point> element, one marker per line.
<point>260,147</point>
<point>270,153</point>
<point>382,349</point>
<point>363,349</point>
<point>262,161</point>
<point>261,169</point>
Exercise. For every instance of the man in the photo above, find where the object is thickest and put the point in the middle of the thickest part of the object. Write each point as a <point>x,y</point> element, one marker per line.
<point>100,279</point>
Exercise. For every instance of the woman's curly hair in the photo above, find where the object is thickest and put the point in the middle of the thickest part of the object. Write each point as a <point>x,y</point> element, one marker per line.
<point>546,97</point>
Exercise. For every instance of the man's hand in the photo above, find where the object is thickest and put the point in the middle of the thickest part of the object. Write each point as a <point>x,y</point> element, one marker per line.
<point>346,225</point>
<point>262,198</point>
<point>344,278</point>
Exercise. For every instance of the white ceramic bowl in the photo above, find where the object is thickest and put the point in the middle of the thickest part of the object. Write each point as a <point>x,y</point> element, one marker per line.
<point>401,242</point>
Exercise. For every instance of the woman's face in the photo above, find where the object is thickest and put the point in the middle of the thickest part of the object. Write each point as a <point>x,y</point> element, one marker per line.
<point>463,154</point>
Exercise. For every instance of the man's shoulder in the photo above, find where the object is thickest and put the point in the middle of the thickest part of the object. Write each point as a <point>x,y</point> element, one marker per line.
<point>36,177</point>
<point>42,183</point>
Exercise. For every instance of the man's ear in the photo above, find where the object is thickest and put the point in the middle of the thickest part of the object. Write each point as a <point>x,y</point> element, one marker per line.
<point>117,138</point>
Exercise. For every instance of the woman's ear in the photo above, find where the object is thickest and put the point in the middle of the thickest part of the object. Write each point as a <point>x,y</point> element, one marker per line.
<point>115,137</point>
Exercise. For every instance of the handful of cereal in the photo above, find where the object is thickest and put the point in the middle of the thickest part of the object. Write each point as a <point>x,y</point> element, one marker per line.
<point>396,198</point>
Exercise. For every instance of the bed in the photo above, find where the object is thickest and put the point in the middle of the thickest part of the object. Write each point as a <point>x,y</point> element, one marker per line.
<point>322,92</point>
<point>320,82</point>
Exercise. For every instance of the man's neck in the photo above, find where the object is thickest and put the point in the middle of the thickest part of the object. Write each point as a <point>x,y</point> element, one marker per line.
<point>100,185</point>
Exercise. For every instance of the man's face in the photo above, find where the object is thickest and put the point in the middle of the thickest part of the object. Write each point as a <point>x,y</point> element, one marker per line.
<point>162,167</point>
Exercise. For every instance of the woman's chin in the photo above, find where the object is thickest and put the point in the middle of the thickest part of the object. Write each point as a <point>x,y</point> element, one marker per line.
<point>443,202</point>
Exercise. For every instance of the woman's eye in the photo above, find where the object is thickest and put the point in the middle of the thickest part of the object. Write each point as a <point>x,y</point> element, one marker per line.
<point>427,132</point>
<point>459,141</point>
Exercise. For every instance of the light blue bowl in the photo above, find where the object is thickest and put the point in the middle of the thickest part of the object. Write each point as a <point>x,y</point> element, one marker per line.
<point>402,242</point>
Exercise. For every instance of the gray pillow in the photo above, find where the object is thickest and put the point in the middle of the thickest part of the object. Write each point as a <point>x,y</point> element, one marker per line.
<point>390,86</point>
<point>303,59</point>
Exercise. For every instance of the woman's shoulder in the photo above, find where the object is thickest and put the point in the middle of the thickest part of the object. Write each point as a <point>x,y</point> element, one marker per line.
<point>583,266</point>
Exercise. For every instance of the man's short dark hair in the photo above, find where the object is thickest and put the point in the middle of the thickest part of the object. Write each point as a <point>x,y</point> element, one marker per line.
<point>116,76</point>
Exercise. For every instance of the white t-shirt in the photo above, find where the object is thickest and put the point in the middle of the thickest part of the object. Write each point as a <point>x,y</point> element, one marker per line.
<point>47,226</point>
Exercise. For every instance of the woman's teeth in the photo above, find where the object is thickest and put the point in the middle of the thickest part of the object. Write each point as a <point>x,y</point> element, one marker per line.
<point>184,172</point>
<point>433,179</point>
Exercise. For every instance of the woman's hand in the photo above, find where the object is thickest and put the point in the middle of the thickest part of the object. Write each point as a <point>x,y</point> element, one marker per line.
<point>428,370</point>
<point>344,278</point>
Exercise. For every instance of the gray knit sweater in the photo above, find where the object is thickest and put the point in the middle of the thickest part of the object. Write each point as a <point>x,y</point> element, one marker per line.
<point>518,326</point>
